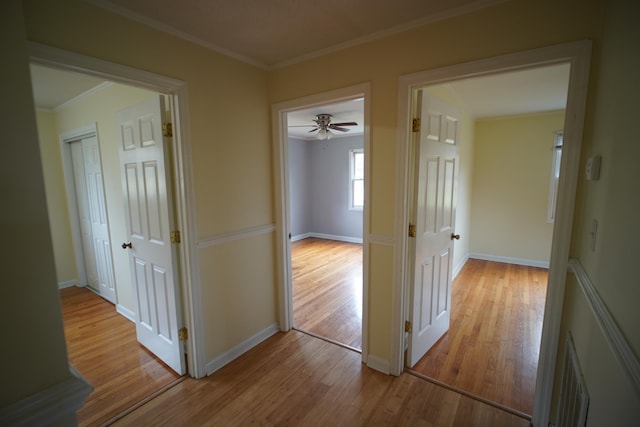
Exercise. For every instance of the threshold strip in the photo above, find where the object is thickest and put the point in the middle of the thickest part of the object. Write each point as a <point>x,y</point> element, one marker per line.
<point>470,395</point>
<point>144,401</point>
<point>329,340</point>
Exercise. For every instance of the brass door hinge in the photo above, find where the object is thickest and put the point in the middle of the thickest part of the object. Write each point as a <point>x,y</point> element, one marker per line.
<point>175,236</point>
<point>183,334</point>
<point>408,327</point>
<point>412,230</point>
<point>167,129</point>
<point>415,125</point>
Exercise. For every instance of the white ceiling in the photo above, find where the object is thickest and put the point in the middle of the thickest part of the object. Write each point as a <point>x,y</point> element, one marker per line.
<point>271,33</point>
<point>301,121</point>
<point>53,88</point>
<point>517,92</point>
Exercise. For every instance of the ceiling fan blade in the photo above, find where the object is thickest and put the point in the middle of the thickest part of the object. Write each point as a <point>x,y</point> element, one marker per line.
<point>301,126</point>
<point>344,124</point>
<point>341,129</point>
<point>313,130</point>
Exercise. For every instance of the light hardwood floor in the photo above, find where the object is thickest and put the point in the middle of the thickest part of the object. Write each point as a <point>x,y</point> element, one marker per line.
<point>492,347</point>
<point>293,379</point>
<point>327,289</point>
<point>102,346</point>
<point>493,343</point>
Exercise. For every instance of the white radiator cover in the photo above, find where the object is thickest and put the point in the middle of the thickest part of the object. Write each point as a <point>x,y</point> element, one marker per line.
<point>574,398</point>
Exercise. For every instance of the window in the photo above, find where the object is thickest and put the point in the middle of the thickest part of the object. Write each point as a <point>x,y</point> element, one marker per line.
<point>555,176</point>
<point>356,173</point>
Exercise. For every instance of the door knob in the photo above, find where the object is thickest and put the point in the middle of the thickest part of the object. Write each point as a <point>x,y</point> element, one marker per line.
<point>126,245</point>
<point>455,236</point>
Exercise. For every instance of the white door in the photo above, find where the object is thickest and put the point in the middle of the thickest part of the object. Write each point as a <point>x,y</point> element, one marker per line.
<point>435,202</point>
<point>149,221</point>
<point>92,212</point>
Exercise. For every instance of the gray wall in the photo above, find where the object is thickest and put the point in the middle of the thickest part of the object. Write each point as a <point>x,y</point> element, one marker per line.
<point>319,188</point>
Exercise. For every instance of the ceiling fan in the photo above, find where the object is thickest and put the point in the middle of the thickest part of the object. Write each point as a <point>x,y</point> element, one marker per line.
<point>324,126</point>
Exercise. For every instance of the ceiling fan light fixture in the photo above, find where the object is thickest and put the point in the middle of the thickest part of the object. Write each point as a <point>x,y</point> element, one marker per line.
<point>324,134</point>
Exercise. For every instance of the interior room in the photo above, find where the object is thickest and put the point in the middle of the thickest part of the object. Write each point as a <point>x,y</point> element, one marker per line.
<point>214,206</point>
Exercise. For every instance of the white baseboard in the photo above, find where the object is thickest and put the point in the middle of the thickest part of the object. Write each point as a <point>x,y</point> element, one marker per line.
<point>56,403</point>
<point>67,284</point>
<point>347,239</point>
<point>508,260</point>
<point>243,347</point>
<point>458,268</point>
<point>379,364</point>
<point>126,312</point>
<point>300,237</point>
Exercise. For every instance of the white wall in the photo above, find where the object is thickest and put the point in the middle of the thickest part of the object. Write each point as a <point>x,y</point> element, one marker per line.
<point>319,188</point>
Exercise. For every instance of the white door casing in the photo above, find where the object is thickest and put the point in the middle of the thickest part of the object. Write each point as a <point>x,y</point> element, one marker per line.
<point>149,221</point>
<point>435,203</point>
<point>92,214</point>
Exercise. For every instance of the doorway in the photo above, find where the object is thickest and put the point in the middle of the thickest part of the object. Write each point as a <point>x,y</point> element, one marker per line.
<point>498,299</point>
<point>577,55</point>
<point>175,92</point>
<point>326,175</point>
<point>326,172</point>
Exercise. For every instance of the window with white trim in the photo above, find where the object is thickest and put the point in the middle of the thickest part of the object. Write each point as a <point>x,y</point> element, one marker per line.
<point>356,174</point>
<point>555,176</point>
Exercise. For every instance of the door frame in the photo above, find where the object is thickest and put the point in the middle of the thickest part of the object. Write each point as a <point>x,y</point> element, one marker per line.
<point>181,165</point>
<point>283,203</point>
<point>577,54</point>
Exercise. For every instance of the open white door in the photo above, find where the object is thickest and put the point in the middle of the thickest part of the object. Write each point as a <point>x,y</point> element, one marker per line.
<point>149,220</point>
<point>435,203</point>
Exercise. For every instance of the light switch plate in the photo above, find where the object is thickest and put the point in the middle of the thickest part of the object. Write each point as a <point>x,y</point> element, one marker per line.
<point>592,169</point>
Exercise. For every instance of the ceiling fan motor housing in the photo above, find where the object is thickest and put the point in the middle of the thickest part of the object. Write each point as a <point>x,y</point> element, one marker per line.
<point>323,120</point>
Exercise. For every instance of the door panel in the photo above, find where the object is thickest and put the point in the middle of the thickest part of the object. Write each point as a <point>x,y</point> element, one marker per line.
<point>92,212</point>
<point>98,215</point>
<point>149,220</point>
<point>434,214</point>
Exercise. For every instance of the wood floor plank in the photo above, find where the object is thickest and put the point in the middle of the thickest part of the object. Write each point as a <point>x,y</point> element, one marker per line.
<point>491,349</point>
<point>327,289</point>
<point>102,346</point>
<point>317,384</point>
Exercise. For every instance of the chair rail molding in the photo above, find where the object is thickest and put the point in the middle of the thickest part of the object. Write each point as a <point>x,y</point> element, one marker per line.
<point>618,344</point>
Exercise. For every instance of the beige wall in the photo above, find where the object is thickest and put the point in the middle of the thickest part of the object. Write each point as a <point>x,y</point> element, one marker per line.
<point>614,201</point>
<point>512,169</point>
<point>508,27</point>
<point>230,142</point>
<point>33,351</point>
<point>56,198</point>
<point>234,191</point>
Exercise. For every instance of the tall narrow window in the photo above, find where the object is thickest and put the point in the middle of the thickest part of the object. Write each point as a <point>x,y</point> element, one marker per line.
<point>555,176</point>
<point>356,168</point>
